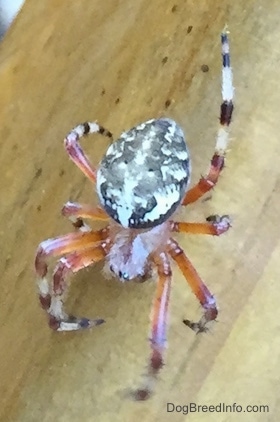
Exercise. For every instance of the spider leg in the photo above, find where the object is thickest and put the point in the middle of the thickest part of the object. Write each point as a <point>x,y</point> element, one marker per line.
<point>158,326</point>
<point>82,250</point>
<point>201,291</point>
<point>207,183</point>
<point>77,212</point>
<point>75,151</point>
<point>215,226</point>
<point>58,319</point>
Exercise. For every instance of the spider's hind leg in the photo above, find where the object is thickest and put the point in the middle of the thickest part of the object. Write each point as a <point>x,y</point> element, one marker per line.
<point>207,183</point>
<point>75,150</point>
<point>206,299</point>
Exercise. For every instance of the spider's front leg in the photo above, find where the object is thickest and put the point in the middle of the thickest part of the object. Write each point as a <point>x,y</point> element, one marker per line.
<point>81,250</point>
<point>158,326</point>
<point>201,291</point>
<point>207,183</point>
<point>75,150</point>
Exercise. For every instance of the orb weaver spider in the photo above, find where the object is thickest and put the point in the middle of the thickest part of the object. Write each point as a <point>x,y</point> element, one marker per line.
<point>141,181</point>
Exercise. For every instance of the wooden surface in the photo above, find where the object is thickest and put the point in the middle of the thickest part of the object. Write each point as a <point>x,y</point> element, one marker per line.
<point>65,62</point>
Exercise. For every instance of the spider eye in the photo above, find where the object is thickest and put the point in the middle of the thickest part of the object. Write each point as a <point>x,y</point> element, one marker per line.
<point>124,275</point>
<point>144,174</point>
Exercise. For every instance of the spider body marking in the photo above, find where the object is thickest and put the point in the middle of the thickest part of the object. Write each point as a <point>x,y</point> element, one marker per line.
<point>144,174</point>
<point>142,180</point>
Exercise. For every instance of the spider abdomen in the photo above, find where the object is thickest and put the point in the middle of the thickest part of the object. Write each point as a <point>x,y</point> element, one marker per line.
<point>144,175</point>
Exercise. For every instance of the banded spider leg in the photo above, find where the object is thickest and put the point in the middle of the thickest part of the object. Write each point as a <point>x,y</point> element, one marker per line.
<point>208,182</point>
<point>52,298</point>
<point>215,225</point>
<point>74,211</point>
<point>159,313</point>
<point>79,250</point>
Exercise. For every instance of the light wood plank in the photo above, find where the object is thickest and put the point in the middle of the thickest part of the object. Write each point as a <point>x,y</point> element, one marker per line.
<point>65,62</point>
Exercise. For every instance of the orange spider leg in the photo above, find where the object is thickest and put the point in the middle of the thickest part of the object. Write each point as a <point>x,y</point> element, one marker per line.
<point>215,226</point>
<point>83,249</point>
<point>207,183</point>
<point>58,319</point>
<point>75,150</point>
<point>65,244</point>
<point>77,212</point>
<point>158,326</point>
<point>201,291</point>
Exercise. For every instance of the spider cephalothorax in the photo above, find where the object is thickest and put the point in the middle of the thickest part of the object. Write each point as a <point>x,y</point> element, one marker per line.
<point>141,181</point>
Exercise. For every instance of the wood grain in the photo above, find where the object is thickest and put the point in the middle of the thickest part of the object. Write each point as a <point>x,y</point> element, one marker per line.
<point>122,63</point>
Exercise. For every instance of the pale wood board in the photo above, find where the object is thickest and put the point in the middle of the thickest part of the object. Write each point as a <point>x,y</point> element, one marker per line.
<point>66,62</point>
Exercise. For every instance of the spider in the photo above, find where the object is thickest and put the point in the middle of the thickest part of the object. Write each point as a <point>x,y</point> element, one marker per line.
<point>141,181</point>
